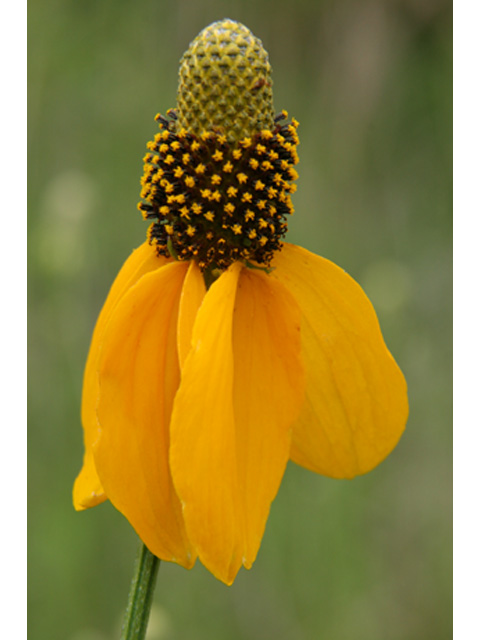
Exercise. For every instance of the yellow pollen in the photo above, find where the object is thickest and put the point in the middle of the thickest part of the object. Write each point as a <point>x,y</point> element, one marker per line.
<point>148,171</point>
<point>209,235</point>
<point>216,195</point>
<point>229,208</point>
<point>196,208</point>
<point>246,142</point>
<point>175,145</point>
<point>216,179</point>
<point>222,139</point>
<point>189,181</point>
<point>168,186</point>
<point>261,204</point>
<point>259,185</point>
<point>228,167</point>
<point>253,162</point>
<point>266,134</point>
<point>163,148</point>
<point>232,192</point>
<point>169,159</point>
<point>263,240</point>
<point>247,197</point>
<point>164,210</point>
<point>272,192</point>
<point>186,158</point>
<point>242,178</point>
<point>195,146</point>
<point>180,198</point>
<point>200,168</point>
<point>250,215</point>
<point>262,223</point>
<point>237,229</point>
<point>237,154</point>
<point>184,213</point>
<point>178,173</point>
<point>169,229</point>
<point>261,148</point>
<point>205,193</point>
<point>252,234</point>
<point>217,156</point>
<point>190,230</point>
<point>210,216</point>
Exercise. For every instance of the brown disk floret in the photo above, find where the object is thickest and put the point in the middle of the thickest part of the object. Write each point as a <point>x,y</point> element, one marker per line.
<point>216,201</point>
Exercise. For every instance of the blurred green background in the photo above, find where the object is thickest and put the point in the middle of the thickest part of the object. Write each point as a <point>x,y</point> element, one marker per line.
<point>370,83</point>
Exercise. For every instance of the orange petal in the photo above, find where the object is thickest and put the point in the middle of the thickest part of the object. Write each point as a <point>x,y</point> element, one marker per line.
<point>88,490</point>
<point>241,389</point>
<point>356,404</point>
<point>139,375</point>
<point>268,392</point>
<point>192,296</point>
<point>202,451</point>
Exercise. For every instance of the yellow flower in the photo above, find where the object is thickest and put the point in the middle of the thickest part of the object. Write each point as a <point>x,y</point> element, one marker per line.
<point>219,355</point>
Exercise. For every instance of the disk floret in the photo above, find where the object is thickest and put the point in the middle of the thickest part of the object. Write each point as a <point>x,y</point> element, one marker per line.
<point>214,201</point>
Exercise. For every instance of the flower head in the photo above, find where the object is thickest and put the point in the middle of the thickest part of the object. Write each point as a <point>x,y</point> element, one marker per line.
<point>221,351</point>
<point>219,174</point>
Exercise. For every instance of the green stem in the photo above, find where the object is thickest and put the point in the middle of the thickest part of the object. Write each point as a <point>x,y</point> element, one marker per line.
<point>141,595</point>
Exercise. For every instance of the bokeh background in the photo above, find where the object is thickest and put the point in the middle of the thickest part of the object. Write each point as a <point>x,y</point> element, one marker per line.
<point>370,83</point>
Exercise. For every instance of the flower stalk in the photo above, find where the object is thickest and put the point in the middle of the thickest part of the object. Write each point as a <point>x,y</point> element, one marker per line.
<point>141,595</point>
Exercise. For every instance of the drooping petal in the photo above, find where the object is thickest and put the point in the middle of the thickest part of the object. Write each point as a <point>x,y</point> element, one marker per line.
<point>242,387</point>
<point>139,374</point>
<point>192,296</point>
<point>88,490</point>
<point>202,450</point>
<point>268,392</point>
<point>356,402</point>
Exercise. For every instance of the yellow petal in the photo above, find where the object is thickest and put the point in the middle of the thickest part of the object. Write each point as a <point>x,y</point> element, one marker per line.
<point>192,296</point>
<point>242,387</point>
<point>356,404</point>
<point>139,374</point>
<point>268,391</point>
<point>88,490</point>
<point>202,451</point>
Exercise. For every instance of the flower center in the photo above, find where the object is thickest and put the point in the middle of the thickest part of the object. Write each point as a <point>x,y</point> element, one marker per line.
<point>218,176</point>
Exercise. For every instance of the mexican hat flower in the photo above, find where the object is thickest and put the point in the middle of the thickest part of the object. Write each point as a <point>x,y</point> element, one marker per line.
<point>222,352</point>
